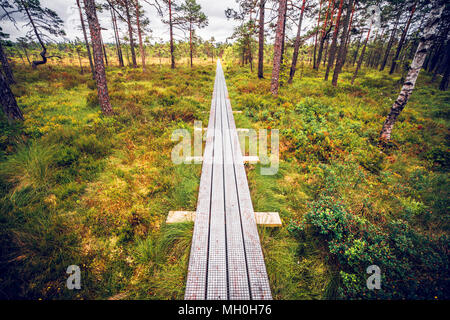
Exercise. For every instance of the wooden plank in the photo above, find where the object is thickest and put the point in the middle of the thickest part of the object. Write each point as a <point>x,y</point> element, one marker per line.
<point>217,264</point>
<point>266,219</point>
<point>259,282</point>
<point>180,216</point>
<point>237,267</point>
<point>197,269</point>
<point>226,259</point>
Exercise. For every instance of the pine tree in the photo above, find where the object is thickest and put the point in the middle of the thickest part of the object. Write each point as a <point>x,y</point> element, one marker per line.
<point>191,17</point>
<point>100,74</point>
<point>278,50</point>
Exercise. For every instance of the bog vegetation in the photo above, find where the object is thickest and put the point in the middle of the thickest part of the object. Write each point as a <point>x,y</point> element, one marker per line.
<point>86,176</point>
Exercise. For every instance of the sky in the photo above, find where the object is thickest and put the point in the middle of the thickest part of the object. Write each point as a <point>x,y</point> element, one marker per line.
<point>219,27</point>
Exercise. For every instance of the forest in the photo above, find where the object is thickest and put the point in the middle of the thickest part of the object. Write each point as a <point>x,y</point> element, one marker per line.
<point>358,90</point>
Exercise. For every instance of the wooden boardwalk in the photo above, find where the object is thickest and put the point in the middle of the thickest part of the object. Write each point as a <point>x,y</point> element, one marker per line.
<point>226,260</point>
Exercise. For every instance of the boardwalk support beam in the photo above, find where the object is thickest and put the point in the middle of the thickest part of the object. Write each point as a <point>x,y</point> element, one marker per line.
<point>266,219</point>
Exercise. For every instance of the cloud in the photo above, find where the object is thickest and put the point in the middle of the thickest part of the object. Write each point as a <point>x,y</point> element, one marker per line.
<point>219,27</point>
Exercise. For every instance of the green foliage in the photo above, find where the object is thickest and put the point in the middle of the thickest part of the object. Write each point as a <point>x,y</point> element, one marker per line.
<point>356,243</point>
<point>366,206</point>
<point>31,166</point>
<point>80,188</point>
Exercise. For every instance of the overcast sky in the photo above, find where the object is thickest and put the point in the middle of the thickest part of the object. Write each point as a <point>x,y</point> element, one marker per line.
<point>219,27</point>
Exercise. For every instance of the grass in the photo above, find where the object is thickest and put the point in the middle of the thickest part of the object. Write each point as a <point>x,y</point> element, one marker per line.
<point>80,188</point>
<point>328,145</point>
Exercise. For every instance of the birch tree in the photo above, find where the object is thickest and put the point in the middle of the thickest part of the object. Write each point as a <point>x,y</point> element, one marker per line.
<point>429,33</point>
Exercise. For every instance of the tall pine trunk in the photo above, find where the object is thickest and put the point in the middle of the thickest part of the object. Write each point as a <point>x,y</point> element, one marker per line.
<point>26,54</point>
<point>86,41</point>
<point>430,30</point>
<point>402,40</point>
<point>190,45</point>
<point>317,35</point>
<point>297,45</point>
<point>172,53</point>
<point>390,43</point>
<point>8,101</point>
<point>355,56</point>
<point>262,9</point>
<point>138,24</point>
<point>342,53</point>
<point>130,32</point>
<point>100,74</point>
<point>283,42</point>
<point>6,67</point>
<point>361,57</point>
<point>350,27</point>
<point>117,37</point>
<point>278,48</point>
<point>105,55</point>
<point>324,34</point>
<point>79,61</point>
<point>443,86</point>
<point>332,53</point>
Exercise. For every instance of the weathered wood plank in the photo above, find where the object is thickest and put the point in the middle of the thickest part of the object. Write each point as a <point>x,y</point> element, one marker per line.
<point>259,282</point>
<point>237,267</point>
<point>217,264</point>
<point>197,270</point>
<point>226,259</point>
<point>265,219</point>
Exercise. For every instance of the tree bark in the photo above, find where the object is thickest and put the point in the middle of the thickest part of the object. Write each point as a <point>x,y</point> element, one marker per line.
<point>262,9</point>
<point>8,101</point>
<point>342,53</point>
<point>117,38</point>
<point>141,44</point>
<point>317,35</point>
<point>190,45</point>
<point>130,32</point>
<point>402,40</point>
<point>26,54</point>
<point>172,53</point>
<point>361,57</point>
<point>443,86</point>
<point>297,45</point>
<point>323,36</point>
<point>79,60</point>
<point>283,42</point>
<point>100,74</point>
<point>391,41</point>
<point>355,56</point>
<point>278,48</point>
<point>350,27</point>
<point>88,49</point>
<point>105,54</point>
<point>6,67</point>
<point>332,53</point>
<point>425,43</point>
